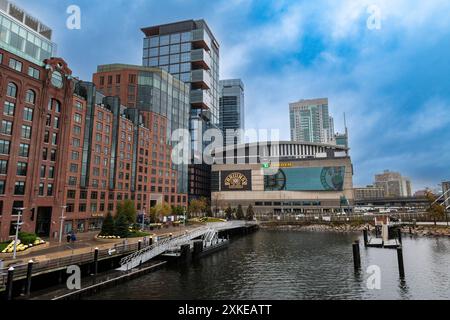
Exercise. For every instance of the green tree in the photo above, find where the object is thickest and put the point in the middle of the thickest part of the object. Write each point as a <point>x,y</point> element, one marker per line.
<point>229,213</point>
<point>239,213</point>
<point>197,206</point>
<point>108,225</point>
<point>121,226</point>
<point>127,208</point>
<point>435,210</point>
<point>250,213</point>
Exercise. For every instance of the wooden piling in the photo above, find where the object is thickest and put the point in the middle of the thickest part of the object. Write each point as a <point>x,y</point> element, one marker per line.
<point>9,284</point>
<point>29,276</point>
<point>399,232</point>
<point>356,256</point>
<point>95,261</point>
<point>366,239</point>
<point>401,267</point>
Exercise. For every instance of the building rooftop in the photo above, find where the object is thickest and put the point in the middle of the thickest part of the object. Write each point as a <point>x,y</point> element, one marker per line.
<point>25,18</point>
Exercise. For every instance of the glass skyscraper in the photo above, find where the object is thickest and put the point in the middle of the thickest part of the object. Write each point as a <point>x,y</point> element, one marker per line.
<point>189,51</point>
<point>310,121</point>
<point>231,106</point>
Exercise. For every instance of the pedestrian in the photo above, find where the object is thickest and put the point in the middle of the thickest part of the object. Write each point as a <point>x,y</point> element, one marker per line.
<point>73,237</point>
<point>68,237</point>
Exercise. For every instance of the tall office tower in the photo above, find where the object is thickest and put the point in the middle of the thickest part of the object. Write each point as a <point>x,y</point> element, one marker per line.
<point>232,110</point>
<point>189,51</point>
<point>311,122</point>
<point>24,35</point>
<point>155,93</point>
<point>394,184</point>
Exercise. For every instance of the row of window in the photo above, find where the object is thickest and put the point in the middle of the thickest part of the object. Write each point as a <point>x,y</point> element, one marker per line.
<point>24,149</point>
<point>18,66</point>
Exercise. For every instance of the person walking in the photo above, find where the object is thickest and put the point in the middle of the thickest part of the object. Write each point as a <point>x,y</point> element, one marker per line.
<point>68,237</point>
<point>73,237</point>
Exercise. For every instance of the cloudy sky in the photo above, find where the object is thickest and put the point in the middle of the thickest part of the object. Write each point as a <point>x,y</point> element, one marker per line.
<point>393,82</point>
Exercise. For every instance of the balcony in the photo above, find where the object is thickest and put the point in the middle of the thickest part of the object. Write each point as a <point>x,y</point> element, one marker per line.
<point>201,59</point>
<point>200,39</point>
<point>200,99</point>
<point>200,79</point>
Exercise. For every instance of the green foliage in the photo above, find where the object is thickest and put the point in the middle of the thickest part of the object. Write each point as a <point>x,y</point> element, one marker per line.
<point>160,210</point>
<point>250,213</point>
<point>127,208</point>
<point>108,226</point>
<point>435,210</point>
<point>197,206</point>
<point>239,213</point>
<point>122,226</point>
<point>178,210</point>
<point>229,213</point>
<point>3,245</point>
<point>27,238</point>
<point>137,234</point>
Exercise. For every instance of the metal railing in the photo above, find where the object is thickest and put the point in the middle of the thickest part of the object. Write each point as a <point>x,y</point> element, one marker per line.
<point>141,256</point>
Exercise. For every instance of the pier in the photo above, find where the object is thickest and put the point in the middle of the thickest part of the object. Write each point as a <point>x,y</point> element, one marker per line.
<point>128,260</point>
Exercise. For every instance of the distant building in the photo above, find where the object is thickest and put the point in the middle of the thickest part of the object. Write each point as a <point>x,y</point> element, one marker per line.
<point>394,184</point>
<point>369,192</point>
<point>311,122</point>
<point>231,107</point>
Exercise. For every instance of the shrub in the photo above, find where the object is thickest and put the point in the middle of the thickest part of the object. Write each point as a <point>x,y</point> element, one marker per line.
<point>27,238</point>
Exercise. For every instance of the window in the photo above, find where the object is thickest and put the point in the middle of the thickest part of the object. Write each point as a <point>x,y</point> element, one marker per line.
<point>46,136</point>
<point>76,142</point>
<point>83,194</point>
<point>57,106</point>
<point>11,90</point>
<point>30,97</point>
<point>8,109</point>
<point>24,150</point>
<point>2,187</point>
<point>19,188</point>
<point>74,168</point>
<point>50,189</point>
<point>118,78</point>
<point>27,114</point>
<point>26,132</point>
<point>102,81</point>
<point>4,146</point>
<point>21,168</point>
<point>94,195</point>
<point>16,65</point>
<point>75,155</point>
<point>99,126</point>
<point>72,181</point>
<point>53,155</point>
<point>71,194</point>
<point>54,139</point>
<point>56,122</point>
<point>43,169</point>
<point>6,127</point>
<point>44,153</point>
<point>41,189</point>
<point>3,166</point>
<point>77,117</point>
<point>76,130</point>
<point>33,72</point>
<point>51,172</point>
<point>82,207</point>
<point>78,105</point>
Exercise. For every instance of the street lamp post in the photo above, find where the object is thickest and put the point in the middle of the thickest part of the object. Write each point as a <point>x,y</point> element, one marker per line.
<point>184,217</point>
<point>18,224</point>
<point>143,219</point>
<point>61,223</point>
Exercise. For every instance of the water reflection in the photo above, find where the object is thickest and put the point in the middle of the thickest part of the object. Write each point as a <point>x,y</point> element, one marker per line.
<point>299,265</point>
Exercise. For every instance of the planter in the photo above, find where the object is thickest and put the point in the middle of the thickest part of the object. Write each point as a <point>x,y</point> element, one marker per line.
<point>107,240</point>
<point>28,251</point>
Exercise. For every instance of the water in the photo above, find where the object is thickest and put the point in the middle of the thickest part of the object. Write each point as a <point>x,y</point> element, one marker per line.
<point>299,265</point>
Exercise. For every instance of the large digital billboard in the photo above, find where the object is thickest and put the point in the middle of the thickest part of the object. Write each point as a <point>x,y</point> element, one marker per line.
<point>240,180</point>
<point>306,179</point>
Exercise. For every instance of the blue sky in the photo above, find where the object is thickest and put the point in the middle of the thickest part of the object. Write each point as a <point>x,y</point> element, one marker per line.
<point>393,83</point>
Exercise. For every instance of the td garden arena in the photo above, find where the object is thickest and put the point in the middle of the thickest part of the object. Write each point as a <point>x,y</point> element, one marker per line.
<point>283,178</point>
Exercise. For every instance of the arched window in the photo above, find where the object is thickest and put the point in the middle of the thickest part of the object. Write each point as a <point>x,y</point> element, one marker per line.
<point>30,96</point>
<point>11,90</point>
<point>57,106</point>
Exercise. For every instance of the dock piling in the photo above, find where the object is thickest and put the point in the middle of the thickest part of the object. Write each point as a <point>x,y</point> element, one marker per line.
<point>96,261</point>
<point>401,267</point>
<point>139,245</point>
<point>399,232</point>
<point>29,276</point>
<point>9,284</point>
<point>366,239</point>
<point>356,256</point>
<point>198,248</point>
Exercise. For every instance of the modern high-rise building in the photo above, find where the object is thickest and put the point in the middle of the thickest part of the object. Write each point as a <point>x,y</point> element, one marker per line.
<point>23,35</point>
<point>189,51</point>
<point>311,122</point>
<point>394,184</point>
<point>152,91</point>
<point>231,108</point>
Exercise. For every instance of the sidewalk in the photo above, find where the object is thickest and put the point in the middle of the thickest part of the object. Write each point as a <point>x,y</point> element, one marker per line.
<point>86,243</point>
